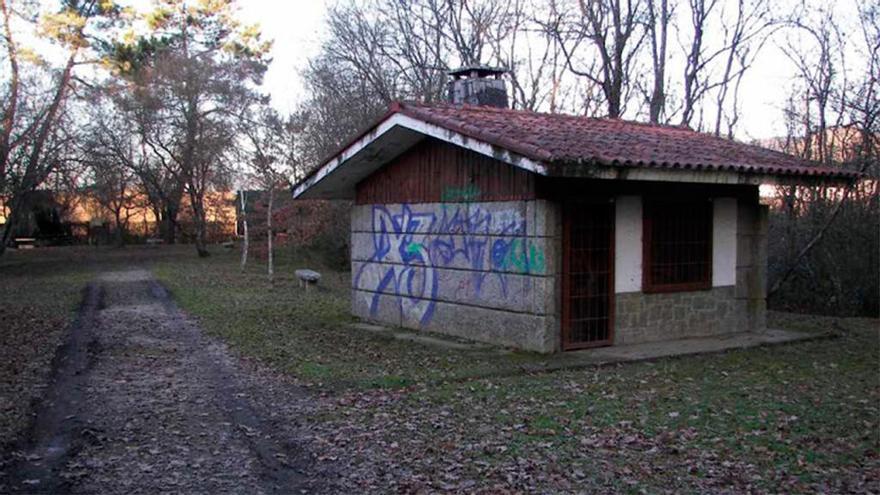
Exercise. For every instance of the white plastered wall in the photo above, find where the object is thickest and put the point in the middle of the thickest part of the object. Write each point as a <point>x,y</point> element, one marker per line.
<point>628,243</point>
<point>724,242</point>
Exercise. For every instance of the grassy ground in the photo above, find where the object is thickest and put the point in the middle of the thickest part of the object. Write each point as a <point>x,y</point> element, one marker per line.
<point>39,296</point>
<point>800,417</point>
<point>307,333</point>
<point>792,418</point>
<point>789,418</point>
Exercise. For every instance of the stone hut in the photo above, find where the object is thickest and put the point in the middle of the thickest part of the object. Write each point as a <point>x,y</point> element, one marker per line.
<point>551,232</point>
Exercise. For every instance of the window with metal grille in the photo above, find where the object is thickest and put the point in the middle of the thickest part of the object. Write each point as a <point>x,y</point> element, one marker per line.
<point>677,246</point>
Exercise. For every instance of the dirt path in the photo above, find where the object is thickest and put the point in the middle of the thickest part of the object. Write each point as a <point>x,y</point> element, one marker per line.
<point>142,401</point>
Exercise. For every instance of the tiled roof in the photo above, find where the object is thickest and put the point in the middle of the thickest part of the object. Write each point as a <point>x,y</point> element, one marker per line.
<point>566,139</point>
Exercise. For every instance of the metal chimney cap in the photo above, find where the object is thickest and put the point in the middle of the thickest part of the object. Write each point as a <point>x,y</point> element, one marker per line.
<point>483,71</point>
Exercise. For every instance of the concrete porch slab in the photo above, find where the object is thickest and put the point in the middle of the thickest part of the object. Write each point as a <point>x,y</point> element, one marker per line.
<point>603,355</point>
<point>526,362</point>
<point>671,348</point>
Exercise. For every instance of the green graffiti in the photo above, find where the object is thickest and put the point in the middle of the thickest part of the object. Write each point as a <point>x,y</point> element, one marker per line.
<point>524,256</point>
<point>469,192</point>
<point>537,263</point>
<point>413,248</point>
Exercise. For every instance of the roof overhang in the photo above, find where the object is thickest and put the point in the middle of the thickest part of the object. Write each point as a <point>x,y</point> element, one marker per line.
<point>396,133</point>
<point>677,173</point>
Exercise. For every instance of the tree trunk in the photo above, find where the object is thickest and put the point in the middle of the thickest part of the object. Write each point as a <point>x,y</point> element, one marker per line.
<point>658,57</point>
<point>9,112</point>
<point>244,226</point>
<point>270,234</point>
<point>8,229</point>
<point>33,175</point>
<point>14,211</point>
<point>120,235</point>
<point>201,226</point>
<point>169,225</point>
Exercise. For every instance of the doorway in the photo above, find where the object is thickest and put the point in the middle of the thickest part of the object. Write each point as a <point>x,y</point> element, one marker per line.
<point>588,275</point>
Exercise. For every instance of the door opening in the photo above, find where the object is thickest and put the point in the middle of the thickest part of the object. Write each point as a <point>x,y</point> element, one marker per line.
<point>588,275</point>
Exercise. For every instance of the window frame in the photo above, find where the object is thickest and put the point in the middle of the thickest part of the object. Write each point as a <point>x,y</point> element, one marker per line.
<point>649,208</point>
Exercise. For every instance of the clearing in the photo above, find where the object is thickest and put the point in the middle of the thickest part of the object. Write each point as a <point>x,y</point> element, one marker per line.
<point>150,398</point>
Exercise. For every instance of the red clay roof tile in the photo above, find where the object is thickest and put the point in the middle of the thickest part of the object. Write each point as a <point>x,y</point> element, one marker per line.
<point>564,139</point>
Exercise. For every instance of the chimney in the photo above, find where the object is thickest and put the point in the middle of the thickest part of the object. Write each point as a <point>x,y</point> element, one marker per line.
<point>478,85</point>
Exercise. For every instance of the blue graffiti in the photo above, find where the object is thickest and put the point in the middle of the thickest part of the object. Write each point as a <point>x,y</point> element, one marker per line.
<point>409,246</point>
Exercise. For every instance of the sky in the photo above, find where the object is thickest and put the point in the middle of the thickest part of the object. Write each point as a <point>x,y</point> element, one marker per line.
<point>296,26</point>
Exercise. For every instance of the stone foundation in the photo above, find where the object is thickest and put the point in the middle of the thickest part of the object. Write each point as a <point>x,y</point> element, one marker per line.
<point>641,317</point>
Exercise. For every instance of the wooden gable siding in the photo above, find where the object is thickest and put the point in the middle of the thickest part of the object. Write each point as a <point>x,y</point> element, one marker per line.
<point>433,171</point>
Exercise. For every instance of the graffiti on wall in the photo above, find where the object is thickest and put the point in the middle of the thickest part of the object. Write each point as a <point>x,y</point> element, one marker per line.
<point>469,192</point>
<point>410,244</point>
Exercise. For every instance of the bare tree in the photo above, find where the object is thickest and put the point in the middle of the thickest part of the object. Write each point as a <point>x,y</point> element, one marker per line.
<point>833,119</point>
<point>113,188</point>
<point>613,30</point>
<point>271,153</point>
<point>246,240</point>
<point>697,59</point>
<point>127,137</point>
<point>752,27</point>
<point>197,67</point>
<point>659,16</point>
<point>31,137</point>
<point>820,71</point>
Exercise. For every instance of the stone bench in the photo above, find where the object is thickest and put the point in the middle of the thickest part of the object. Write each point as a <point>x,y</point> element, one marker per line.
<point>307,277</point>
<point>25,242</point>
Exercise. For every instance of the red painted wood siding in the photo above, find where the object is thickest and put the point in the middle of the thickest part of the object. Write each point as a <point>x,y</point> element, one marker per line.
<point>433,171</point>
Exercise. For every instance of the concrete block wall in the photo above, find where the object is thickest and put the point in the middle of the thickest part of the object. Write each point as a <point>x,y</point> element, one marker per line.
<point>485,271</point>
<point>490,271</point>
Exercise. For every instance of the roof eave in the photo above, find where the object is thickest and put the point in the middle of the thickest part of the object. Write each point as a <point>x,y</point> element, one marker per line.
<point>402,126</point>
<point>388,138</point>
<point>596,168</point>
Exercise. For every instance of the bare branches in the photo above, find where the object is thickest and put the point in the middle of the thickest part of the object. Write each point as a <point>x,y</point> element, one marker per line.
<point>189,95</point>
<point>613,30</point>
<point>7,121</point>
<point>659,15</point>
<point>832,119</point>
<point>31,135</point>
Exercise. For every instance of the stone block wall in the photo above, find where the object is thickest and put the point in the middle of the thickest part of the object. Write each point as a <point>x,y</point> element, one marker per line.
<point>490,271</point>
<point>735,303</point>
<point>751,265</point>
<point>644,317</point>
<point>480,270</point>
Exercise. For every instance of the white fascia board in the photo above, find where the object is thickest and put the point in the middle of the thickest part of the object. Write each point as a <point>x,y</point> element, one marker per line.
<point>481,147</point>
<point>678,175</point>
<point>702,176</point>
<point>427,129</point>
<point>344,156</point>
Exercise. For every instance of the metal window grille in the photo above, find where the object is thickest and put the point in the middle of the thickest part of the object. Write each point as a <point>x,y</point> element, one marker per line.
<point>588,277</point>
<point>678,246</point>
